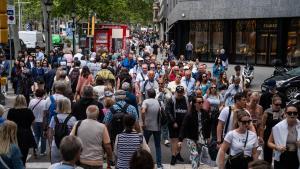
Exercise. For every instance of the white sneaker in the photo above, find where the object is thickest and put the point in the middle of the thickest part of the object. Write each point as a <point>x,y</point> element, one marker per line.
<point>167,142</point>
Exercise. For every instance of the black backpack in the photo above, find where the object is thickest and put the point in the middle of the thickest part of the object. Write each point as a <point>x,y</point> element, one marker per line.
<point>74,76</point>
<point>116,125</point>
<point>61,129</point>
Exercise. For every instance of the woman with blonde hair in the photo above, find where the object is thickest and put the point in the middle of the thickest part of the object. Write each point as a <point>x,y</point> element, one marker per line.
<point>63,109</point>
<point>24,119</point>
<point>11,156</point>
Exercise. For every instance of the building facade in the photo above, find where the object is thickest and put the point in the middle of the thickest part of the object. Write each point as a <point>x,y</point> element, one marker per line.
<point>249,30</point>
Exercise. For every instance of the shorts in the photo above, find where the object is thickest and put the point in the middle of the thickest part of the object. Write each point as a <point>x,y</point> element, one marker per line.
<point>174,132</point>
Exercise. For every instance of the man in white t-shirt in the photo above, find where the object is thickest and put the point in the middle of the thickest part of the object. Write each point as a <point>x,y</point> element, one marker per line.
<point>222,130</point>
<point>78,55</point>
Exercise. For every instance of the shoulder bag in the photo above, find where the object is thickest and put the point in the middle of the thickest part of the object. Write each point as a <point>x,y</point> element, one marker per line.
<point>240,160</point>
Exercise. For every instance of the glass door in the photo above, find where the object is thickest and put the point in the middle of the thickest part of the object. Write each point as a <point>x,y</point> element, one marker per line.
<point>266,49</point>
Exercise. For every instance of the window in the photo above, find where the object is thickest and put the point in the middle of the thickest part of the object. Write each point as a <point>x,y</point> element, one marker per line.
<point>245,41</point>
<point>293,50</point>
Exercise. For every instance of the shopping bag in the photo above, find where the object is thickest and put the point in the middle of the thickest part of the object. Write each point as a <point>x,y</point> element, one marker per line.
<point>205,157</point>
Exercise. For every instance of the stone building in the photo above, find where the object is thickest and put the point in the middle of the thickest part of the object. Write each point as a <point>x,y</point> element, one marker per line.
<point>257,31</point>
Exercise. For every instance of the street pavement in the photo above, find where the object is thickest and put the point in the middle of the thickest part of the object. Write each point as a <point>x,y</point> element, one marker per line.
<point>260,74</point>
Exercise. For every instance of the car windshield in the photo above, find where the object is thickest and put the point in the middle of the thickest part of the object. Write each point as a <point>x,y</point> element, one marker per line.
<point>294,72</point>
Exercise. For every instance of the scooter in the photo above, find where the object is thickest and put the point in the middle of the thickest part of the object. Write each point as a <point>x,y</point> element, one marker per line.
<point>248,74</point>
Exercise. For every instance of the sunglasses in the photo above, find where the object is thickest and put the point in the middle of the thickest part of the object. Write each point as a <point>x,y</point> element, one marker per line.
<point>244,122</point>
<point>160,83</point>
<point>200,102</point>
<point>292,113</point>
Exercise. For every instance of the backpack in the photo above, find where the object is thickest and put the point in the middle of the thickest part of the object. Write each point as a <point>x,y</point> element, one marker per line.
<point>61,130</point>
<point>116,125</point>
<point>74,76</point>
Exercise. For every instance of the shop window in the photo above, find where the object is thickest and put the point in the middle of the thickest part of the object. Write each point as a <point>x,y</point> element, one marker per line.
<point>293,50</point>
<point>245,41</point>
<point>217,37</point>
<point>199,38</point>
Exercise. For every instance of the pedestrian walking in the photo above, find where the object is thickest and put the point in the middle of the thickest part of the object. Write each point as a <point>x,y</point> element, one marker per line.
<point>95,140</point>
<point>189,50</point>
<point>151,122</point>
<point>56,129</point>
<point>37,106</point>
<point>11,156</point>
<point>176,108</point>
<point>196,129</point>
<point>127,143</point>
<point>70,149</point>
<point>24,118</point>
<point>284,139</point>
<point>241,143</point>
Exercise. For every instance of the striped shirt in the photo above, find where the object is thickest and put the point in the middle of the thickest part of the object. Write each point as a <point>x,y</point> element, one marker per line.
<point>127,144</point>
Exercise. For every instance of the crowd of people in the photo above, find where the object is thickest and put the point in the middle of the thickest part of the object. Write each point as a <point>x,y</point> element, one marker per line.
<point>104,107</point>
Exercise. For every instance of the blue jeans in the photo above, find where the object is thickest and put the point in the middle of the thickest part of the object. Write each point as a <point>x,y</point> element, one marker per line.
<point>38,135</point>
<point>165,132</point>
<point>156,134</point>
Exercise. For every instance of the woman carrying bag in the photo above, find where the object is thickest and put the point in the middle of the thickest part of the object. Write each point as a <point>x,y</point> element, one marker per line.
<point>242,144</point>
<point>285,140</point>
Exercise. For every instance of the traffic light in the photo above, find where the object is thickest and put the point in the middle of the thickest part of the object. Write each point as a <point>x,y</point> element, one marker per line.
<point>3,22</point>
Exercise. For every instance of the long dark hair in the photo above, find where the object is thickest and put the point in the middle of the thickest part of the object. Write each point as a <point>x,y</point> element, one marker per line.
<point>128,122</point>
<point>85,71</point>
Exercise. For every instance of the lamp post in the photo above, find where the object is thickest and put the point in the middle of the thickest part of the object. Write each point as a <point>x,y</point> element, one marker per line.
<point>73,15</point>
<point>48,5</point>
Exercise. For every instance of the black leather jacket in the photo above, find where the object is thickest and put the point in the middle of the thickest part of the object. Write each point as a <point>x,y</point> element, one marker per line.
<point>189,128</point>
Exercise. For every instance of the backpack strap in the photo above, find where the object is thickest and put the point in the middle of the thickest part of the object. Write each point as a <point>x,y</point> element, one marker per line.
<point>227,121</point>
<point>145,84</point>
<point>143,76</point>
<point>52,100</point>
<point>67,119</point>
<point>77,126</point>
<point>56,119</point>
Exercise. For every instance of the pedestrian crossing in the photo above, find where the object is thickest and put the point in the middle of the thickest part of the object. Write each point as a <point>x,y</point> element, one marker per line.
<point>45,165</point>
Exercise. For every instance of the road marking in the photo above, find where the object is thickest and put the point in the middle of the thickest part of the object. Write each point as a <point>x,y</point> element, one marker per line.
<point>46,165</point>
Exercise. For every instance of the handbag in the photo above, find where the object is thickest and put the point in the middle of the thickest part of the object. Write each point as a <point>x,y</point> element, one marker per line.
<point>239,160</point>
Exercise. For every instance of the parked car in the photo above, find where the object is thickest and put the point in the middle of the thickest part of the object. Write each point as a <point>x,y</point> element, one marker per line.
<point>6,51</point>
<point>287,83</point>
<point>32,39</point>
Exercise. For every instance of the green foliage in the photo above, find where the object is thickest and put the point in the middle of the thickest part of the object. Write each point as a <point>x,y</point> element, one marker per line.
<point>121,11</point>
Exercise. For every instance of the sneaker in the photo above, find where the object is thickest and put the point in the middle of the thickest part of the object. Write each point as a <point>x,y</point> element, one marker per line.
<point>160,167</point>
<point>178,157</point>
<point>173,160</point>
<point>167,143</point>
<point>43,154</point>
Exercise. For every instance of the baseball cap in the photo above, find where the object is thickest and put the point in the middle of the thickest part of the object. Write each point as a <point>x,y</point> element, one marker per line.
<point>179,89</point>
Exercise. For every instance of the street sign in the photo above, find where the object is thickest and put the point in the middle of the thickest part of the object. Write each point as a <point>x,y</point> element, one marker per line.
<point>11,19</point>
